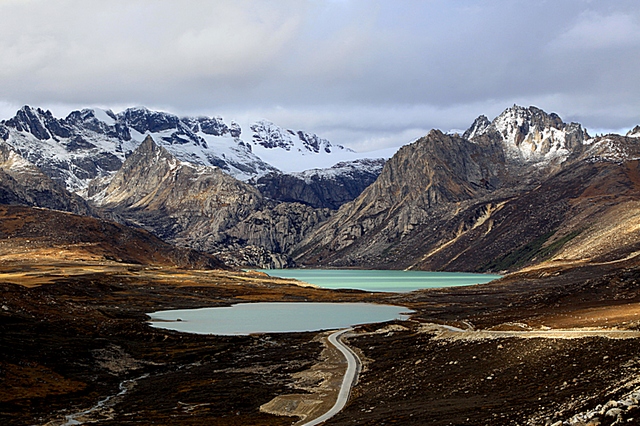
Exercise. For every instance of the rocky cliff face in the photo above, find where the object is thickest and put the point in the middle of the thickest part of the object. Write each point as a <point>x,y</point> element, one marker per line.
<point>24,184</point>
<point>94,143</point>
<point>322,188</point>
<point>530,135</point>
<point>509,193</point>
<point>201,207</point>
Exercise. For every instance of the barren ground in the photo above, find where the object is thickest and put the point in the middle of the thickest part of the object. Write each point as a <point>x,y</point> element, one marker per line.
<point>75,333</point>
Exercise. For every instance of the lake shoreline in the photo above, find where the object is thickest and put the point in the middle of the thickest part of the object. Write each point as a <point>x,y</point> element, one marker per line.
<point>242,319</point>
<point>379,280</point>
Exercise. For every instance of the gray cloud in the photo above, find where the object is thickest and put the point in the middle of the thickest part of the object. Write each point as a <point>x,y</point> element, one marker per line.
<point>365,73</point>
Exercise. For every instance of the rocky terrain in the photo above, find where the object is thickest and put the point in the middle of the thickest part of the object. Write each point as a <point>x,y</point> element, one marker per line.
<point>537,347</point>
<point>510,193</point>
<point>203,208</point>
<point>554,342</point>
<point>93,144</point>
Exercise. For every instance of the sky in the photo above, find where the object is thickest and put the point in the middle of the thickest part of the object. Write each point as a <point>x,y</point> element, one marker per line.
<point>367,74</point>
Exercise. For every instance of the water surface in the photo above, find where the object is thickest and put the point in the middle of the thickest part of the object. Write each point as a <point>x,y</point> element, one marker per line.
<point>275,317</point>
<point>381,280</point>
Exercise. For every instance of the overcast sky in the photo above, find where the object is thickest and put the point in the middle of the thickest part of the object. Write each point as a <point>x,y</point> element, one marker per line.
<point>366,74</point>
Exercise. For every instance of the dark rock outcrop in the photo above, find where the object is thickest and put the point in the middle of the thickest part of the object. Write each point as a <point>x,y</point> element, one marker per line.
<point>24,184</point>
<point>322,188</point>
<point>203,208</point>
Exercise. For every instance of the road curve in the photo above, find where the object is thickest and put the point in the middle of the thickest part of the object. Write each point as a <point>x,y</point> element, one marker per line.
<point>353,365</point>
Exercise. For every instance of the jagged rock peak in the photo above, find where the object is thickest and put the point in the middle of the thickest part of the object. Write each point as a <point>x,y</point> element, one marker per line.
<point>31,120</point>
<point>268,135</point>
<point>148,144</point>
<point>478,127</point>
<point>530,135</point>
<point>634,133</point>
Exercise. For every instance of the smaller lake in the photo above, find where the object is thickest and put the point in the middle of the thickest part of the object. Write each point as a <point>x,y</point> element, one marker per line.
<point>275,317</point>
<point>381,280</point>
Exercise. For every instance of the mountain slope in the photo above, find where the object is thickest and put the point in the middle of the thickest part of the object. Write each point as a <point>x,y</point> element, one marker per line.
<point>94,143</point>
<point>322,188</point>
<point>24,184</point>
<point>513,194</point>
<point>30,234</point>
<point>435,171</point>
<point>172,196</point>
<point>202,207</point>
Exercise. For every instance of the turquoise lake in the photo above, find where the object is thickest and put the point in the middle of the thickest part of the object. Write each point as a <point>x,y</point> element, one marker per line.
<point>275,317</point>
<point>374,280</point>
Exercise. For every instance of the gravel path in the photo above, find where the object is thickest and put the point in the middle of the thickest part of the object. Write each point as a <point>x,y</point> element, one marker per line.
<point>353,366</point>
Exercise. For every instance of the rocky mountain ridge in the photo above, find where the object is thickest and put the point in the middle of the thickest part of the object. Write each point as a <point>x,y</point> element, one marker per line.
<point>321,188</point>
<point>203,208</point>
<point>634,133</point>
<point>530,135</point>
<point>22,183</point>
<point>93,143</point>
<point>506,194</point>
<point>501,196</point>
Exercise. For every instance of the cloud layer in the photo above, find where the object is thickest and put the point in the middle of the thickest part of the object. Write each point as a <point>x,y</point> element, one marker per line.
<point>368,73</point>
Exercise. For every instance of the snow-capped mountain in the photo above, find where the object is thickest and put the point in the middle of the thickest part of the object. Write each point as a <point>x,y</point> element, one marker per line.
<point>330,187</point>
<point>530,135</point>
<point>93,143</point>
<point>509,193</point>
<point>612,148</point>
<point>298,151</point>
<point>634,133</point>
<point>204,208</point>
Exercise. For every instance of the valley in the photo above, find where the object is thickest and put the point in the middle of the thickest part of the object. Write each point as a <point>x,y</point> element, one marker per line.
<point>71,339</point>
<point>98,229</point>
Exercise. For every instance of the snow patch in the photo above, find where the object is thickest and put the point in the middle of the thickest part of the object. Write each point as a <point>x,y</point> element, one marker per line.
<point>82,148</point>
<point>105,116</point>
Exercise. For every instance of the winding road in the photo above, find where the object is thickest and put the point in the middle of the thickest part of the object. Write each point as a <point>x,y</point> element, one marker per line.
<point>353,366</point>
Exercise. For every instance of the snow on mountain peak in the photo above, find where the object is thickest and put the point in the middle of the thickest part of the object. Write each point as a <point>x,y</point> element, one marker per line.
<point>531,135</point>
<point>106,116</point>
<point>304,150</point>
<point>268,135</point>
<point>93,143</point>
<point>634,133</point>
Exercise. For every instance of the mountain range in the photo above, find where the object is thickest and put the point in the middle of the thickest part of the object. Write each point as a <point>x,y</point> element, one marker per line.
<point>519,190</point>
<point>513,192</point>
<point>94,143</point>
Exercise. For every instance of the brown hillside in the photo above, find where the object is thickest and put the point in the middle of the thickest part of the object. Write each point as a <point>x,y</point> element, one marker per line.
<point>31,233</point>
